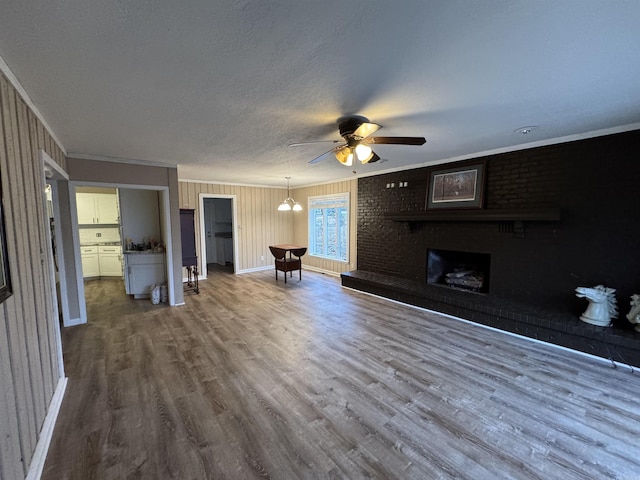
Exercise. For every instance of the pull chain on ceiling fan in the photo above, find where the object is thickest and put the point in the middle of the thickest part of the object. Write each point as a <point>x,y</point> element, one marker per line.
<point>356,131</point>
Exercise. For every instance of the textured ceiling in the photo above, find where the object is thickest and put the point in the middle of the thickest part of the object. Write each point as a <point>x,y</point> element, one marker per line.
<point>222,88</point>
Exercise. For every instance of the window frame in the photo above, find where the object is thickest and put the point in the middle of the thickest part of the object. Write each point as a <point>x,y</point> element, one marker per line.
<point>315,203</point>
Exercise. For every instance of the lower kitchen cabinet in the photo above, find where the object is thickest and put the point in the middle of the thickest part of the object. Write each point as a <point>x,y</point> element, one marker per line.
<point>142,272</point>
<point>101,261</point>
<point>110,261</point>
<point>90,261</point>
<point>224,250</point>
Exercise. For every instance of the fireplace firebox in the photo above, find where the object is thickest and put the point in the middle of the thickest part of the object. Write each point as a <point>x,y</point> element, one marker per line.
<point>456,269</point>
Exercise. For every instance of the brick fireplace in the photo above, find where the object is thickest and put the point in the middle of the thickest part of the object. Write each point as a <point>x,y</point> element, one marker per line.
<point>469,271</point>
<point>572,220</point>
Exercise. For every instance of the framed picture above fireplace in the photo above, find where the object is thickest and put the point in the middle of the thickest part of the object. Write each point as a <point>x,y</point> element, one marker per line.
<point>459,186</point>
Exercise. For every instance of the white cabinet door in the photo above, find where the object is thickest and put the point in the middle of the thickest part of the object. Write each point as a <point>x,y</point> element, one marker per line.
<point>110,261</point>
<point>110,265</point>
<point>86,208</point>
<point>144,277</point>
<point>143,271</point>
<point>90,262</point>
<point>97,208</point>
<point>107,208</point>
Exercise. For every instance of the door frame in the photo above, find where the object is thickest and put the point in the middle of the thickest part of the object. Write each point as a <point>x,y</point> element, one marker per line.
<point>52,173</point>
<point>165,219</point>
<point>203,239</point>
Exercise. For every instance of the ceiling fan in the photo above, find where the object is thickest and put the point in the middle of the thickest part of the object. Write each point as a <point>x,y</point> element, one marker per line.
<point>356,131</point>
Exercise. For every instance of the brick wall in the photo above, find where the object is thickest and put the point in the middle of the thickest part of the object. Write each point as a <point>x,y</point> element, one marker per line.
<point>595,183</point>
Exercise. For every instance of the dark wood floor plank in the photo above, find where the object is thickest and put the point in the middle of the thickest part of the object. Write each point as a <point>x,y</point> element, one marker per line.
<point>255,379</point>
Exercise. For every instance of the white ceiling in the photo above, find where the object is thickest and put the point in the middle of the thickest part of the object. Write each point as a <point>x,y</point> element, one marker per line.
<point>222,88</point>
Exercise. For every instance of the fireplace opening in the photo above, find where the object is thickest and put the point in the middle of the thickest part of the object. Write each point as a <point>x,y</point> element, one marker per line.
<point>460,270</point>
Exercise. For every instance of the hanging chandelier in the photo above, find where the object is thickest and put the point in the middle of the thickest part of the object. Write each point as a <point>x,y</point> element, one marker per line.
<point>289,203</point>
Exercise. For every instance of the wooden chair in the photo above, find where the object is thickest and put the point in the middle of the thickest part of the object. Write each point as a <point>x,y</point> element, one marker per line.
<point>290,264</point>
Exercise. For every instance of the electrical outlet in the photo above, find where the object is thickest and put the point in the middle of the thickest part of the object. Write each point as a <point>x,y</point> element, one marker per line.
<point>262,258</point>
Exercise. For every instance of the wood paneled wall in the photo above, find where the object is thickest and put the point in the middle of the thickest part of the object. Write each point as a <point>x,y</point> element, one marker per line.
<point>29,368</point>
<point>260,224</point>
<point>258,221</point>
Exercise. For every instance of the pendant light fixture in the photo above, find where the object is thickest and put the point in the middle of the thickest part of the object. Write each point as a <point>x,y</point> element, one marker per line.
<point>289,203</point>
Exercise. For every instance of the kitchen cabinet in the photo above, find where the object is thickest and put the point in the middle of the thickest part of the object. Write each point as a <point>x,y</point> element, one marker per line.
<point>101,261</point>
<point>86,208</point>
<point>97,208</point>
<point>110,258</point>
<point>90,261</point>
<point>224,250</point>
<point>143,271</point>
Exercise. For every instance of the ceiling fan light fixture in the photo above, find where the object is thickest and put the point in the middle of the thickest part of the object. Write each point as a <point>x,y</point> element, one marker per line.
<point>345,156</point>
<point>363,152</point>
<point>356,131</point>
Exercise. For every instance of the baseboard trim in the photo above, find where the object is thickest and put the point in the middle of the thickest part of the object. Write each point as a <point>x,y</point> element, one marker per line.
<point>256,269</point>
<point>72,322</point>
<point>321,270</point>
<point>46,434</point>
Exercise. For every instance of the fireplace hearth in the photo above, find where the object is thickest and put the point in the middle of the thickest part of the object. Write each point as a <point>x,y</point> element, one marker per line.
<point>460,270</point>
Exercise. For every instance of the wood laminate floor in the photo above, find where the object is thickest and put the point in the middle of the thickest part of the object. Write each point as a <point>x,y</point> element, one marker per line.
<point>253,378</point>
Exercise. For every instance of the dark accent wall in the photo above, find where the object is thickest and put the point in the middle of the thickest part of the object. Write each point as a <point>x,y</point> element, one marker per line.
<point>595,183</point>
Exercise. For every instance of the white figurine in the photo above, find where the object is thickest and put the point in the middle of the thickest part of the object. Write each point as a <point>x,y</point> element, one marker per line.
<point>602,305</point>
<point>634,314</point>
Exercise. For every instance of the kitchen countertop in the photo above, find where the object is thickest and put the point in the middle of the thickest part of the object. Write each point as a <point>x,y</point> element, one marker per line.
<point>101,244</point>
<point>141,252</point>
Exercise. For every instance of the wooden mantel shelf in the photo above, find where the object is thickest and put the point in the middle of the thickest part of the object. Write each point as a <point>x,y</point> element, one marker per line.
<point>501,215</point>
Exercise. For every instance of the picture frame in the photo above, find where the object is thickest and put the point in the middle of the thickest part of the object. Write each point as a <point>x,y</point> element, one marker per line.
<point>460,186</point>
<point>5,277</point>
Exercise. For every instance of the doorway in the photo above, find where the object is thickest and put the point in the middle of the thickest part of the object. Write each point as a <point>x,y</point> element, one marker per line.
<point>139,238</point>
<point>218,233</point>
<point>53,177</point>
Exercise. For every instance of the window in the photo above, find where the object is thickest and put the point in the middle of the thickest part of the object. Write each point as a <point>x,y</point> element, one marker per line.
<point>329,227</point>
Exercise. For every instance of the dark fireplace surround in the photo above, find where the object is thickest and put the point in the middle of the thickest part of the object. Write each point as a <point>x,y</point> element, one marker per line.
<point>544,230</point>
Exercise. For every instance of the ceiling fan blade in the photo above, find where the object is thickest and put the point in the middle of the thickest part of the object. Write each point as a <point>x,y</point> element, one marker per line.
<point>326,155</point>
<point>365,129</point>
<point>371,159</point>
<point>396,140</point>
<point>313,143</point>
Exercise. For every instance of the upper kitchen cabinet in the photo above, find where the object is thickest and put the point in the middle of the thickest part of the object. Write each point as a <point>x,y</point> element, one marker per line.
<point>97,208</point>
